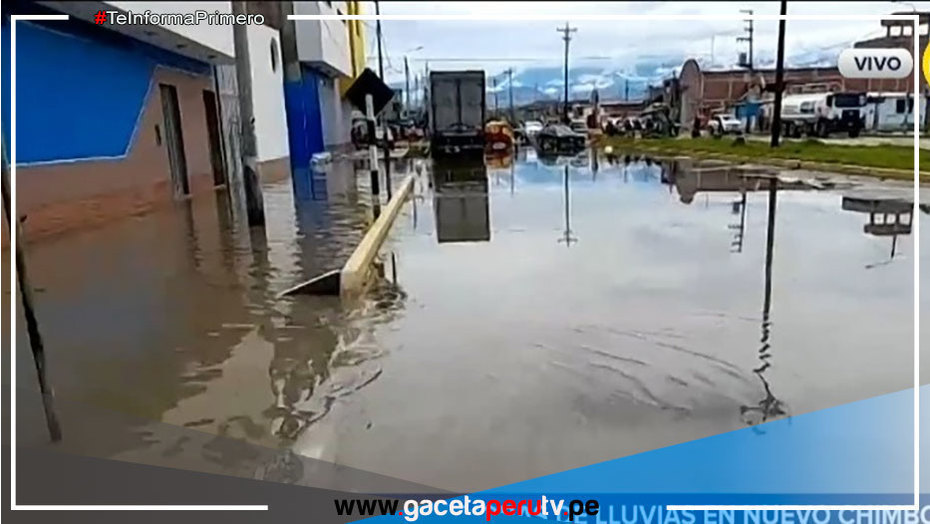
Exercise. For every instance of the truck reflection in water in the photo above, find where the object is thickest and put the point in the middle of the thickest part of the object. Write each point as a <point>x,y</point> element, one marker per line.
<point>460,200</point>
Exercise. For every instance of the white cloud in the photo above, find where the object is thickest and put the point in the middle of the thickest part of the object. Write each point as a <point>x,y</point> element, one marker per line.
<point>495,45</point>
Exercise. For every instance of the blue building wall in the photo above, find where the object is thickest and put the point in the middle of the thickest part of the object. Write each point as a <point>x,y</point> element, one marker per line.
<point>304,119</point>
<point>80,89</point>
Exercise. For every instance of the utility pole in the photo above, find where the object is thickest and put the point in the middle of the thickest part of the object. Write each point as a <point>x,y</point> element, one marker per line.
<point>626,89</point>
<point>378,36</point>
<point>567,36</point>
<point>513,120</point>
<point>384,127</point>
<point>25,290</point>
<point>253,190</point>
<point>494,90</point>
<point>406,84</point>
<point>779,77</point>
<point>747,38</point>
<point>427,101</point>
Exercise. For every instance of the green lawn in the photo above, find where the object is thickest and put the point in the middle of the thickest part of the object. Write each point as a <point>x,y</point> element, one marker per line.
<point>880,156</point>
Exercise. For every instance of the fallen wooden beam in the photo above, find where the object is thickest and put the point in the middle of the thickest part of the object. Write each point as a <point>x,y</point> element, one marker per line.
<point>352,278</point>
<point>354,274</point>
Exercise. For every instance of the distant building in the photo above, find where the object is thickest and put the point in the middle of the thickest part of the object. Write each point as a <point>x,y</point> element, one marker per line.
<point>710,91</point>
<point>622,108</point>
<point>898,33</point>
<point>705,92</point>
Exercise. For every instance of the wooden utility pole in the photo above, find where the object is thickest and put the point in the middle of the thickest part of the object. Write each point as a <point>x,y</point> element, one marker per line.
<point>779,77</point>
<point>378,36</point>
<point>407,104</point>
<point>253,190</point>
<point>384,126</point>
<point>494,90</point>
<point>25,290</point>
<point>513,120</point>
<point>567,36</point>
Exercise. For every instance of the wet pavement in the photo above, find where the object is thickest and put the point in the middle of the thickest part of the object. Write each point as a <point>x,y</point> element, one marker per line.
<point>534,315</point>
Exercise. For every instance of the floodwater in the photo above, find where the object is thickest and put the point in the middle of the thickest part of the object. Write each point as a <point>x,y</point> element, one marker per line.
<point>531,316</point>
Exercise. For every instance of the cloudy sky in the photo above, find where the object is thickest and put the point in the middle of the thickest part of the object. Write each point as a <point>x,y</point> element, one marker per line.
<point>614,45</point>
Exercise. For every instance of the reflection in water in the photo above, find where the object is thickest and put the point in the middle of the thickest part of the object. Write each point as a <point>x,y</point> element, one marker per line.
<point>769,406</point>
<point>595,163</point>
<point>637,339</point>
<point>739,229</point>
<point>566,200</point>
<point>888,217</point>
<point>200,340</point>
<point>460,199</point>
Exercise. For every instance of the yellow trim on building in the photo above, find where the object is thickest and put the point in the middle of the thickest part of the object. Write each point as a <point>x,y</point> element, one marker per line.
<point>356,29</point>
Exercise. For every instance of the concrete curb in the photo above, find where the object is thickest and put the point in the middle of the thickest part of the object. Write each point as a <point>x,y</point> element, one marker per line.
<point>354,274</point>
<point>846,169</point>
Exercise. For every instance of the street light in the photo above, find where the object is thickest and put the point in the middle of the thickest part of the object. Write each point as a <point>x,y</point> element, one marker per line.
<point>407,75</point>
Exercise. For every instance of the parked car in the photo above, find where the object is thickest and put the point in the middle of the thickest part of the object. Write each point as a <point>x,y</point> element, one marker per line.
<point>579,126</point>
<point>498,135</point>
<point>532,128</point>
<point>631,124</point>
<point>559,138</point>
<point>724,125</point>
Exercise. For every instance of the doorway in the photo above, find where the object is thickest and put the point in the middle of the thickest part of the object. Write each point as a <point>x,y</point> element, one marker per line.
<point>213,135</point>
<point>174,138</point>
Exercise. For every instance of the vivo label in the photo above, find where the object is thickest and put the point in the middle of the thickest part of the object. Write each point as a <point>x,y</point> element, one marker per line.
<point>875,63</point>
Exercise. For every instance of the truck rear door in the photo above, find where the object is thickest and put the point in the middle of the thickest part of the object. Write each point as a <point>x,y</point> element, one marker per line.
<point>445,102</point>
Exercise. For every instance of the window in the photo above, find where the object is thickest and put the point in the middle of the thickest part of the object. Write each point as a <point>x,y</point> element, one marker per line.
<point>274,55</point>
<point>904,106</point>
<point>847,100</point>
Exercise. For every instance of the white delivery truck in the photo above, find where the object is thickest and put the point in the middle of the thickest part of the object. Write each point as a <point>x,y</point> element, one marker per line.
<point>457,111</point>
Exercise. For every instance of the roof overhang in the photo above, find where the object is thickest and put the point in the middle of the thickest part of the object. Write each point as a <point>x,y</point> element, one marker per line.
<point>214,48</point>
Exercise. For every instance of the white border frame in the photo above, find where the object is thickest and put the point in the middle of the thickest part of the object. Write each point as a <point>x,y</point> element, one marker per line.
<point>916,233</point>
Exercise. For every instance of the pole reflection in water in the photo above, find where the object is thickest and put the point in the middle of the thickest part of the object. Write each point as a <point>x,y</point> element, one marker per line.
<point>513,176</point>
<point>736,246</point>
<point>594,164</point>
<point>567,234</point>
<point>770,406</point>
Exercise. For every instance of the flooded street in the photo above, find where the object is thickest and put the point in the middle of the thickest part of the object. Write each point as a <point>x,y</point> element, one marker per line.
<point>533,316</point>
